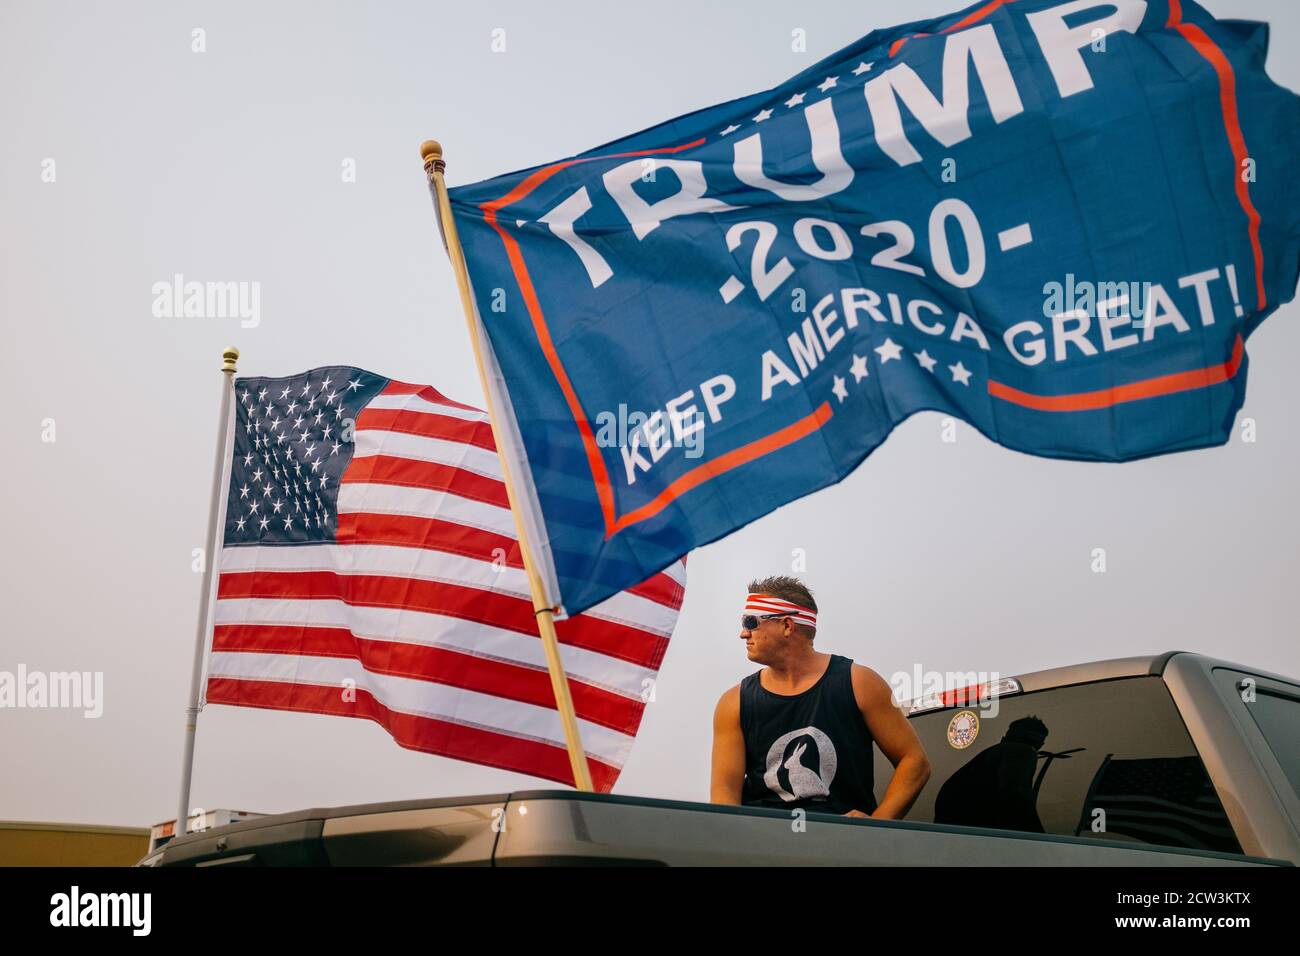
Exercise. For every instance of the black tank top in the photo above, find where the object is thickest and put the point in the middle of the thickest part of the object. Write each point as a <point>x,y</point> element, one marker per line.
<point>810,750</point>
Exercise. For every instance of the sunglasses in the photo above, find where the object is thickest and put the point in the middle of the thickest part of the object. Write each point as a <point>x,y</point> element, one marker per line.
<point>750,622</point>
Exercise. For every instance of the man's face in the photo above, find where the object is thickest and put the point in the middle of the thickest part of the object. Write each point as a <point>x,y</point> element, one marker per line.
<point>765,642</point>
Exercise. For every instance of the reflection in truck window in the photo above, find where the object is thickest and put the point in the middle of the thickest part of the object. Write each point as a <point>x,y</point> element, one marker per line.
<point>1117,764</point>
<point>1168,801</point>
<point>995,788</point>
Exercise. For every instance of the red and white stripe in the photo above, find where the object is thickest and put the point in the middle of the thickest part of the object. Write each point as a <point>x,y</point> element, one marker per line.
<point>761,604</point>
<point>420,617</point>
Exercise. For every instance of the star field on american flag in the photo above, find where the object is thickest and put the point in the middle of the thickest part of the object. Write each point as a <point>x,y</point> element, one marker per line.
<point>293,441</point>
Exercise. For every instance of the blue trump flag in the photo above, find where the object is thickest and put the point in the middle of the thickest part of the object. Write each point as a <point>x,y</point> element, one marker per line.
<point>1058,221</point>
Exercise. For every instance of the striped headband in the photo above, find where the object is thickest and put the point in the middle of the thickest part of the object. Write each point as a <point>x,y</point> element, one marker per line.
<point>761,604</point>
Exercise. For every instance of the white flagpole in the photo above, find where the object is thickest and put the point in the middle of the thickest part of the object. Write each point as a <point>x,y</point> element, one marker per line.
<point>431,153</point>
<point>216,517</point>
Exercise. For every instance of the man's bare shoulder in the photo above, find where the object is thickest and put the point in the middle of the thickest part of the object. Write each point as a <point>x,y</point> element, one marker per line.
<point>870,689</point>
<point>730,697</point>
<point>728,709</point>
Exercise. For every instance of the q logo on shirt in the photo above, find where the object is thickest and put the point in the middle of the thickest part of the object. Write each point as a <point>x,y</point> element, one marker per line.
<point>803,781</point>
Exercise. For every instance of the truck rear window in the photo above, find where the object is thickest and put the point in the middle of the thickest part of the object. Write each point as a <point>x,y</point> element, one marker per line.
<point>1116,764</point>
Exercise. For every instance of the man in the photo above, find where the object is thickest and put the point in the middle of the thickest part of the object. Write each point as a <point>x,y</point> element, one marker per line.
<point>798,733</point>
<point>995,788</point>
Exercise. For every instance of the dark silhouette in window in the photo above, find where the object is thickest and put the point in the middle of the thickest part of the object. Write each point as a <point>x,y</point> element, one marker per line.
<point>995,788</point>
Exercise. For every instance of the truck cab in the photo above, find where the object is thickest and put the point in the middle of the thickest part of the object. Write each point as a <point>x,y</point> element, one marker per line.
<point>1174,750</point>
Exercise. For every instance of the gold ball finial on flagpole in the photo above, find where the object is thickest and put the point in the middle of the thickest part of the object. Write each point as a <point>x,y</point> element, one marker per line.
<point>431,153</point>
<point>228,358</point>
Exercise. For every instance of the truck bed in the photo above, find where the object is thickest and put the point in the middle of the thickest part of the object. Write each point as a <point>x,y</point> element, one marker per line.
<point>561,827</point>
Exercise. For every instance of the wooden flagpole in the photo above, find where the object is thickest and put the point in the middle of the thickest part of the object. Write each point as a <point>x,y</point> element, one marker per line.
<point>543,610</point>
<point>216,515</point>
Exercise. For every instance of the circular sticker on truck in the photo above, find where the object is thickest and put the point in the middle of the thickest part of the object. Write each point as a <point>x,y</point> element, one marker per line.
<point>963,729</point>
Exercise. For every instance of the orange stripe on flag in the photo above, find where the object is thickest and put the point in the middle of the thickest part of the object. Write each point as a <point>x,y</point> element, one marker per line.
<point>1207,48</point>
<point>723,463</point>
<point>1132,392</point>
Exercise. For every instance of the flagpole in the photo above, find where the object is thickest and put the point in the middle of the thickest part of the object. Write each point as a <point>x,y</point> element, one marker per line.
<point>431,153</point>
<point>216,511</point>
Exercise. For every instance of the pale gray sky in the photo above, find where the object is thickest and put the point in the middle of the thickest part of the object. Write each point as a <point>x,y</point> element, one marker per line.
<point>226,165</point>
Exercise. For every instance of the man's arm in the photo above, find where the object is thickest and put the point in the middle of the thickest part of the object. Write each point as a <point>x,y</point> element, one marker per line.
<point>896,740</point>
<point>728,775</point>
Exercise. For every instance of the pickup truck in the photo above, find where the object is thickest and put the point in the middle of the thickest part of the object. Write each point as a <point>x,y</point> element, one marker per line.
<point>1171,760</point>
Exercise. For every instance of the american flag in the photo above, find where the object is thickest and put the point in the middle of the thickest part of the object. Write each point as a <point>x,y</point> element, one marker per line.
<point>370,569</point>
